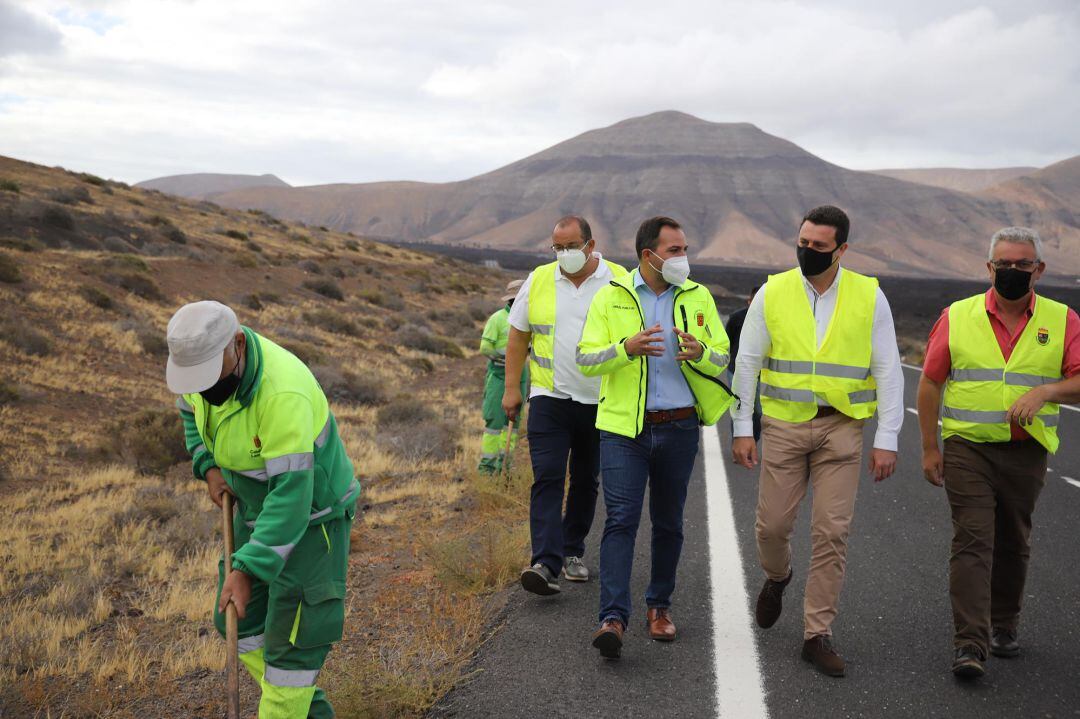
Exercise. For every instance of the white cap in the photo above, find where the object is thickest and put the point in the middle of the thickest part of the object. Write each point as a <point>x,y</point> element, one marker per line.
<point>512,288</point>
<point>197,335</point>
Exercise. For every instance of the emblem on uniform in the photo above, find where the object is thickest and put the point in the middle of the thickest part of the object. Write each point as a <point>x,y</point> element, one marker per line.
<point>1043,336</point>
<point>258,442</point>
<point>700,319</point>
<point>258,447</point>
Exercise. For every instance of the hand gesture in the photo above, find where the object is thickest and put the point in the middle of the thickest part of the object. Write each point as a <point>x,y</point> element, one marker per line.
<point>690,348</point>
<point>647,342</point>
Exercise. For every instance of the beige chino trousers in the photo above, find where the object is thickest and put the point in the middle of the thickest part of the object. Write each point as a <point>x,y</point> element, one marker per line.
<point>825,453</point>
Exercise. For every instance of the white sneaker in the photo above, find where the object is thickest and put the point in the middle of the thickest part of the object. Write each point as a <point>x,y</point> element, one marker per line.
<point>575,570</point>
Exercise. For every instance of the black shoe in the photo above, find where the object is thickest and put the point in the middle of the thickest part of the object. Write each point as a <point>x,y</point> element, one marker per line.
<point>538,579</point>
<point>770,602</point>
<point>968,663</point>
<point>1003,643</point>
<point>820,652</point>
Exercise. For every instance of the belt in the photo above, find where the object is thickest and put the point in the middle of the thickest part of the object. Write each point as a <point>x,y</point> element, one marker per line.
<point>669,415</point>
<point>825,412</point>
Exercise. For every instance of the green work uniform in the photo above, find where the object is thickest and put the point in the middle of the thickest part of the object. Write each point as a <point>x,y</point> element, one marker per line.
<point>277,446</point>
<point>493,346</point>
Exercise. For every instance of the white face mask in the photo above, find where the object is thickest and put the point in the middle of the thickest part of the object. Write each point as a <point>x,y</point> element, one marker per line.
<point>571,261</point>
<point>675,271</point>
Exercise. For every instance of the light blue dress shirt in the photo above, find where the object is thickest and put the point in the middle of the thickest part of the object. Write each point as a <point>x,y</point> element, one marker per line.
<point>667,387</point>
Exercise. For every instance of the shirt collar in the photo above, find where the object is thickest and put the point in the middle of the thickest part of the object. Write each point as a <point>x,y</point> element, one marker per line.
<point>833,286</point>
<point>992,304</point>
<point>639,282</point>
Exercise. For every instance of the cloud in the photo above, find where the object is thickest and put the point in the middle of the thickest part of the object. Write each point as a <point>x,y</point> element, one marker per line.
<point>23,32</point>
<point>331,92</point>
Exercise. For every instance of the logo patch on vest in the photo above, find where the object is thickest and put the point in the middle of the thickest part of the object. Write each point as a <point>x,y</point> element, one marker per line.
<point>258,446</point>
<point>1043,336</point>
<point>700,319</point>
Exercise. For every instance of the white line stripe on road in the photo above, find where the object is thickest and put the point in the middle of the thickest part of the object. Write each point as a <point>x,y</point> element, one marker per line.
<point>739,687</point>
<point>1073,482</point>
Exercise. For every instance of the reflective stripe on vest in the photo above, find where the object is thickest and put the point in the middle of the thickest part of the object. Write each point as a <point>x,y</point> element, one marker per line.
<point>982,386</point>
<point>798,372</point>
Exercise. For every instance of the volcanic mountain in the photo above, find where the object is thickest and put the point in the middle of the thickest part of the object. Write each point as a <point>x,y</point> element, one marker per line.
<point>958,178</point>
<point>738,191</point>
<point>205,185</point>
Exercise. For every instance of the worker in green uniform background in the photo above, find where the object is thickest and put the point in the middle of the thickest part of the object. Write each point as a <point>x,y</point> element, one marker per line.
<point>258,426</point>
<point>493,346</point>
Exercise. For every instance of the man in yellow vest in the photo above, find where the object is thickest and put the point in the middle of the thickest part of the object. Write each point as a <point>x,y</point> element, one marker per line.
<point>493,346</point>
<point>656,339</point>
<point>549,312</point>
<point>823,341</point>
<point>999,359</point>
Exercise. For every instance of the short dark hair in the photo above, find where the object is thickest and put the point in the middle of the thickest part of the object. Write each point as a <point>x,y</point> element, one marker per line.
<point>830,216</point>
<point>582,223</point>
<point>648,235</point>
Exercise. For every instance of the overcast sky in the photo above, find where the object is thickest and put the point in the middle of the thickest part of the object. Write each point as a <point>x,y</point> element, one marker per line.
<point>318,91</point>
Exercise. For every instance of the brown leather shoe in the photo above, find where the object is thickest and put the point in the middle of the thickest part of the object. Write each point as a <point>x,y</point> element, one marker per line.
<point>819,652</point>
<point>770,602</point>
<point>608,638</point>
<point>661,628</point>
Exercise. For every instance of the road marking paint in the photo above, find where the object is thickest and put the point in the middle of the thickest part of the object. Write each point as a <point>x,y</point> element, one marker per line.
<point>1069,406</point>
<point>1073,482</point>
<point>916,413</point>
<point>740,690</point>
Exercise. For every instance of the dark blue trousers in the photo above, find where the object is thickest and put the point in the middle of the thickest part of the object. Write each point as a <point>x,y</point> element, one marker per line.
<point>662,458</point>
<point>562,431</point>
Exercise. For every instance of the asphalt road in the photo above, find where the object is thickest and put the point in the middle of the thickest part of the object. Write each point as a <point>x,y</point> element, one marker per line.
<point>894,626</point>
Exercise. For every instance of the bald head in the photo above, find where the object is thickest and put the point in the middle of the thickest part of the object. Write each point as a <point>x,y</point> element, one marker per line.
<point>572,227</point>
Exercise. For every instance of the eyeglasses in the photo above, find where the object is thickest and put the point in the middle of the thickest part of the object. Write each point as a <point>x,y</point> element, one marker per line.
<point>563,248</point>
<point>1024,265</point>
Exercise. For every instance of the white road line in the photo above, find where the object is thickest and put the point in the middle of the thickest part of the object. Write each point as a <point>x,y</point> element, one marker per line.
<point>913,411</point>
<point>740,690</point>
<point>1073,482</point>
<point>918,368</point>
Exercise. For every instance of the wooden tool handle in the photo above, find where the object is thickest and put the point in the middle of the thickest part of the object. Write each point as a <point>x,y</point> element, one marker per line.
<point>232,656</point>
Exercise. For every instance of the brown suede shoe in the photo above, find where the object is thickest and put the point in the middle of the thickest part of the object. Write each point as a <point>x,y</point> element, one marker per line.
<point>819,652</point>
<point>608,638</point>
<point>661,628</point>
<point>770,601</point>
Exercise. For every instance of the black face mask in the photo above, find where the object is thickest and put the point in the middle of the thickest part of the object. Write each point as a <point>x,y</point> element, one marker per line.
<point>1011,283</point>
<point>223,388</point>
<point>812,262</point>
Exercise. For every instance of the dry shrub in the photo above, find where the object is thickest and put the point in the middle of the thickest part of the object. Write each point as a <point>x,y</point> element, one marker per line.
<point>126,262</point>
<point>326,288</point>
<point>252,302</point>
<point>112,243</point>
<point>25,338</point>
<point>485,559</point>
<point>96,297</point>
<point>345,386</point>
<point>58,217</point>
<point>410,430</point>
<point>175,234</point>
<point>332,321</point>
<point>137,284</point>
<point>236,234</point>
<point>8,393</point>
<point>151,339</point>
<point>386,300</point>
<point>9,270</point>
<point>10,186</point>
<point>418,338</point>
<point>69,195</point>
<point>151,441</point>
<point>311,266</point>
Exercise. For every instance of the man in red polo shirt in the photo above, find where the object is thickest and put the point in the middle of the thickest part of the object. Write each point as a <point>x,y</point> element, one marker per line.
<point>997,365</point>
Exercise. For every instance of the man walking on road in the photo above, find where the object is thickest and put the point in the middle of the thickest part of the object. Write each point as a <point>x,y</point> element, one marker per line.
<point>549,312</point>
<point>999,359</point>
<point>493,346</point>
<point>656,339</point>
<point>258,426</point>
<point>823,341</point>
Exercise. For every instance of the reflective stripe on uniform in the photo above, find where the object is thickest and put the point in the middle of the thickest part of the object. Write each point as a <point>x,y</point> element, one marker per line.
<point>282,550</point>
<point>1028,380</point>
<point>492,431</point>
<point>718,359</point>
<point>540,329</point>
<point>325,433</point>
<point>976,375</point>
<point>866,395</point>
<point>789,366</point>
<point>822,369</point>
<point>790,395</point>
<point>200,448</point>
<point>290,677</point>
<point>183,405</point>
<point>991,417</point>
<point>259,475</point>
<point>250,644</point>
<point>589,359</point>
<point>295,462</point>
<point>544,362</point>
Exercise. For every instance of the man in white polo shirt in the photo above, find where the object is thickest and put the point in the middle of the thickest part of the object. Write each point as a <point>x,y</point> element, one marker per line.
<point>549,312</point>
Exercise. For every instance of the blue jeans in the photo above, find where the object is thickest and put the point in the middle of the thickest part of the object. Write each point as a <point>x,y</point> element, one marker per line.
<point>662,457</point>
<point>562,430</point>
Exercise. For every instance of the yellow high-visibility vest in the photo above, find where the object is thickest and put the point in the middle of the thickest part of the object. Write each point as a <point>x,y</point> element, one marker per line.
<point>982,386</point>
<point>796,371</point>
<point>542,322</point>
